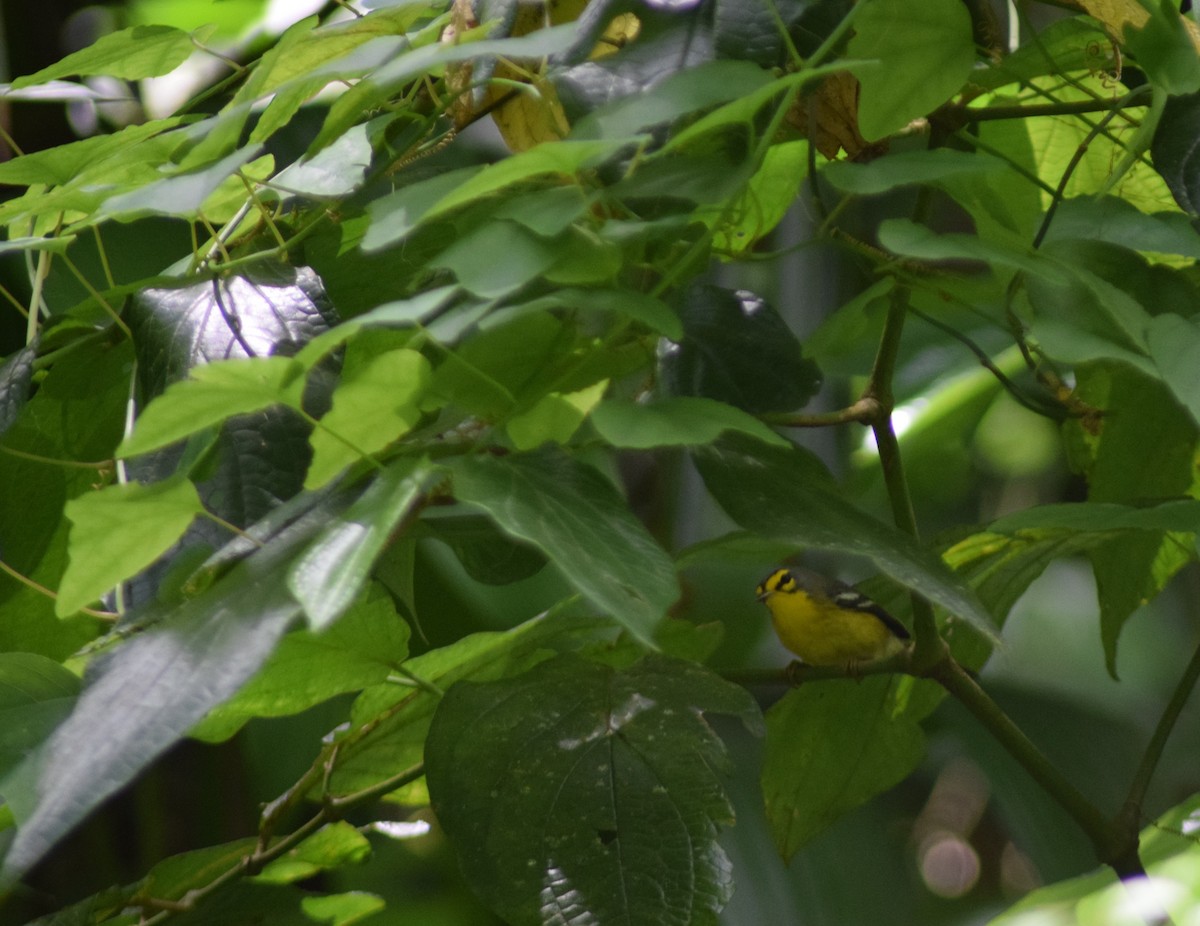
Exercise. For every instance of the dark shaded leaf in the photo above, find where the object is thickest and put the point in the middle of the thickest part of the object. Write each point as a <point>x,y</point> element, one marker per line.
<point>1140,413</point>
<point>832,747</point>
<point>788,495</point>
<point>581,792</point>
<point>390,722</point>
<point>1174,150</point>
<point>16,376</point>
<point>736,349</point>
<point>144,695</point>
<point>487,554</point>
<point>576,517</point>
<point>36,693</point>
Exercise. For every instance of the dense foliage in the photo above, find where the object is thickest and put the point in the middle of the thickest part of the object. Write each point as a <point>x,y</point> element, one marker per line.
<point>431,431</point>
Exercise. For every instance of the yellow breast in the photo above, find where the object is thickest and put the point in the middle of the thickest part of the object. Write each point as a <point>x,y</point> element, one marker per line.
<point>822,634</point>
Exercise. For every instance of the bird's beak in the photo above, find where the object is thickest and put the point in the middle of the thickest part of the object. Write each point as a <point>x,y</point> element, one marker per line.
<point>763,595</point>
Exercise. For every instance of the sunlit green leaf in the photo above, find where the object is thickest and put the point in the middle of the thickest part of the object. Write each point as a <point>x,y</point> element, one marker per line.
<point>131,54</point>
<point>119,531</point>
<point>374,405</point>
<point>555,418</point>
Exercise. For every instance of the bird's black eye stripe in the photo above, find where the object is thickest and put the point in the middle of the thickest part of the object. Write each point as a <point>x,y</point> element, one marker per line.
<point>785,582</point>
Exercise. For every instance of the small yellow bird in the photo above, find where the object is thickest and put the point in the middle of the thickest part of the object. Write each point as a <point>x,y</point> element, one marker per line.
<point>826,622</point>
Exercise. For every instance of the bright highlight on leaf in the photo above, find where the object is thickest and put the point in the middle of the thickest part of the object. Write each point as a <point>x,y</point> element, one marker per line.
<point>119,531</point>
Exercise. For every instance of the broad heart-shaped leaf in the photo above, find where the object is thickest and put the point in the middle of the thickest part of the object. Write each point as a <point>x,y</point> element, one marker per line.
<point>925,53</point>
<point>737,349</point>
<point>36,693</point>
<point>576,517</point>
<point>131,54</point>
<point>268,309</point>
<point>329,574</point>
<point>582,793</point>
<point>832,747</point>
<point>144,695</point>
<point>788,495</point>
<point>360,649</point>
<point>119,531</point>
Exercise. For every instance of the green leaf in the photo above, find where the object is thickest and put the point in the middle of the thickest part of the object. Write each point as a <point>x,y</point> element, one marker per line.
<point>623,825</point>
<point>1181,515</point>
<point>130,54</point>
<point>342,909</point>
<point>486,553</point>
<point>641,307</point>
<point>62,163</point>
<point>376,403</point>
<point>576,517</point>
<point>173,877</point>
<point>911,239</point>
<point>390,722</point>
<point>76,414</point>
<point>906,168</point>
<point>1174,152</point>
<point>768,196</point>
<point>1165,49</point>
<point>681,92</point>
<point>119,531</point>
<point>555,417</point>
<point>497,258</point>
<point>361,648</point>
<point>832,747</point>
<point>675,422</point>
<point>179,195</point>
<point>332,571</point>
<point>213,393</point>
<point>145,695</point>
<point>1117,221</point>
<point>736,349</point>
<point>1140,413</point>
<point>1174,346</point>
<point>335,845</point>
<point>1076,43</point>
<point>788,495</point>
<point>925,53</point>
<point>385,81</point>
<point>36,694</point>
